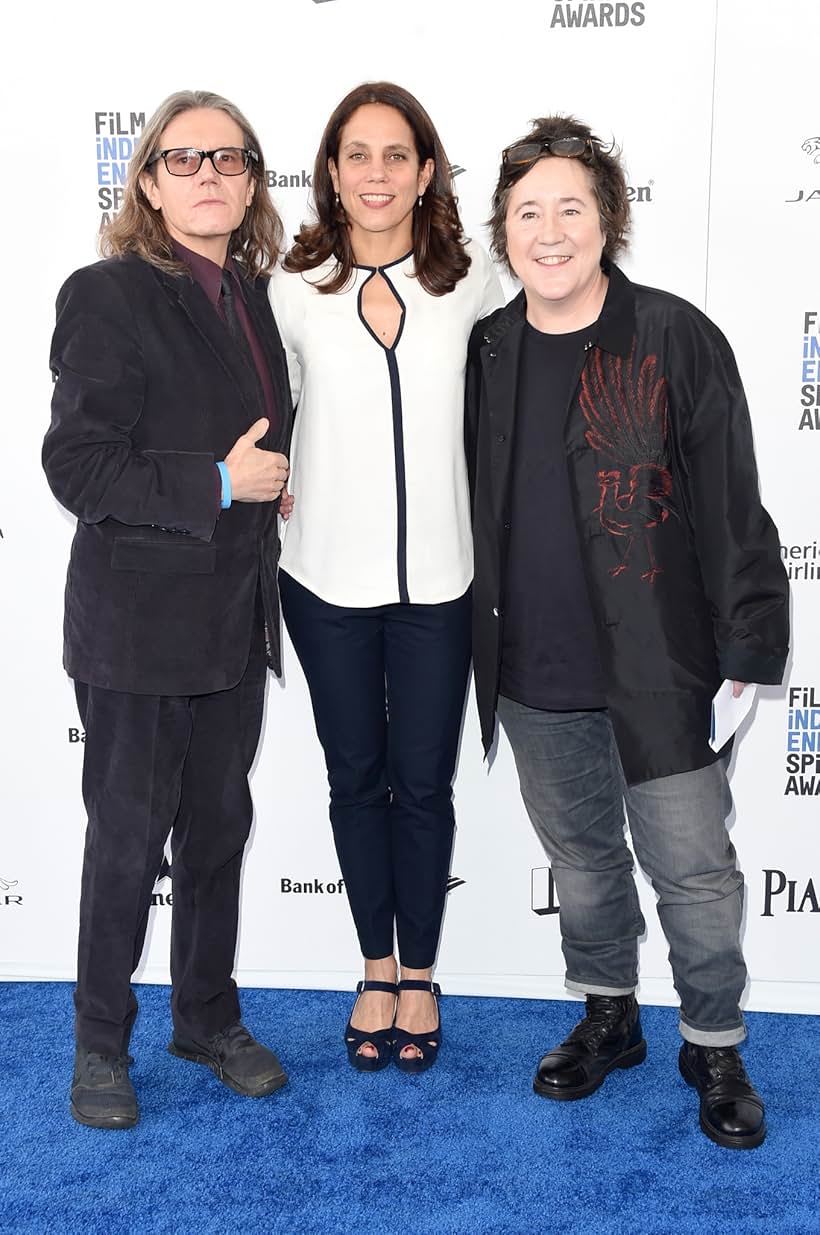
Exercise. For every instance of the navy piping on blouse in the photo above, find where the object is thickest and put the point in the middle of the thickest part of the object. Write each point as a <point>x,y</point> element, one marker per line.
<point>398,427</point>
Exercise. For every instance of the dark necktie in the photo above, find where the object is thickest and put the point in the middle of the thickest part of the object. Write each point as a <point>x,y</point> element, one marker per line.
<point>233,323</point>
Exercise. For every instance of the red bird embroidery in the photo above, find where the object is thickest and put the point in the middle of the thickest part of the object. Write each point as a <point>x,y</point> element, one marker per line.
<point>627,415</point>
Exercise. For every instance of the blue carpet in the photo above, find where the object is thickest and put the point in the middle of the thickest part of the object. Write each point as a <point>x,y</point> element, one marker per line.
<point>466,1148</point>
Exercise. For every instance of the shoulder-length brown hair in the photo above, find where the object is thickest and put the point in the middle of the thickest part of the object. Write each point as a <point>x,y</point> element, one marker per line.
<point>138,228</point>
<point>438,238</point>
<point>608,183</point>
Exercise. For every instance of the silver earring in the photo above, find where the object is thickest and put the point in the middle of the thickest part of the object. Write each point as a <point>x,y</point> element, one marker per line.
<point>337,199</point>
<point>420,200</point>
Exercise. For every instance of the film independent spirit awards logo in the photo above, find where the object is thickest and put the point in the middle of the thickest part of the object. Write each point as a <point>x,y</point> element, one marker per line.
<point>802,767</point>
<point>115,135</point>
<point>782,894</point>
<point>810,371</point>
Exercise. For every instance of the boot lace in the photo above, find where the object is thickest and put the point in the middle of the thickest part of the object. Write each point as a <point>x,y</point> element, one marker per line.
<point>724,1063</point>
<point>102,1069</point>
<point>234,1038</point>
<point>601,1018</point>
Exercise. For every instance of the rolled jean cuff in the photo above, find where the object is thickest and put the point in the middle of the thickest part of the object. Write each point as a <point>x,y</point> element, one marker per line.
<point>712,1037</point>
<point>586,988</point>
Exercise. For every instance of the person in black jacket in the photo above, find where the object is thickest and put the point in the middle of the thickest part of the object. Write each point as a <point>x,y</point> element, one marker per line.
<point>624,567</point>
<point>170,418</point>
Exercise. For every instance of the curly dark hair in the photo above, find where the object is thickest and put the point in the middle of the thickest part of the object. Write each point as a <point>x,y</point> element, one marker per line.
<point>604,166</point>
<point>438,238</point>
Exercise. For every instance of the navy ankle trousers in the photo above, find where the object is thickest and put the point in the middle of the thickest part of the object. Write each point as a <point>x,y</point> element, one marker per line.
<point>387,685</point>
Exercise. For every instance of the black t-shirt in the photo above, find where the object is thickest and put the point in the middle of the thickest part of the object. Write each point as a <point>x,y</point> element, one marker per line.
<point>550,655</point>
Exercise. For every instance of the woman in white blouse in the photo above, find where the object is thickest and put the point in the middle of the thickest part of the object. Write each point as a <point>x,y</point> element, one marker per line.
<point>375,305</point>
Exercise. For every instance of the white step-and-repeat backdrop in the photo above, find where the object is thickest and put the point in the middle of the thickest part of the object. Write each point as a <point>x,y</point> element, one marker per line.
<point>715,104</point>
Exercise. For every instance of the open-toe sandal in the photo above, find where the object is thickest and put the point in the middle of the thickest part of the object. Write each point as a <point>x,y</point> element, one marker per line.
<point>426,1043</point>
<point>380,1039</point>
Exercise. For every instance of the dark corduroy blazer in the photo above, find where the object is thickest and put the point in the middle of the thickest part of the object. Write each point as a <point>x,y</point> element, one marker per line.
<point>149,393</point>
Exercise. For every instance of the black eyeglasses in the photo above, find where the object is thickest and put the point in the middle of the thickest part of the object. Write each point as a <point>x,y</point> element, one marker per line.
<point>229,161</point>
<point>528,152</point>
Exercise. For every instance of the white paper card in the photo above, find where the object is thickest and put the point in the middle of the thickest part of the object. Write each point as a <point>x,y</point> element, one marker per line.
<point>728,712</point>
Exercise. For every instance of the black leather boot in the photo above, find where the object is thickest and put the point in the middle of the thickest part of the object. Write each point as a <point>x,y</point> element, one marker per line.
<point>731,1111</point>
<point>608,1037</point>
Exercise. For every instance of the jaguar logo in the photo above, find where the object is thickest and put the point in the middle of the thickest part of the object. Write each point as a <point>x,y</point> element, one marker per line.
<point>812,147</point>
<point>5,884</point>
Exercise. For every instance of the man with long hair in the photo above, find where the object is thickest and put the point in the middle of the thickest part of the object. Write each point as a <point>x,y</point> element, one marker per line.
<point>170,418</point>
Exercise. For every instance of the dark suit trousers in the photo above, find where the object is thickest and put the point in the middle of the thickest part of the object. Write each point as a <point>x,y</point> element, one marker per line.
<point>387,685</point>
<point>156,764</point>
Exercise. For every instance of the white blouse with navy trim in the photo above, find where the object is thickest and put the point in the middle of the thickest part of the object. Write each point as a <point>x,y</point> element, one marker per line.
<point>378,473</point>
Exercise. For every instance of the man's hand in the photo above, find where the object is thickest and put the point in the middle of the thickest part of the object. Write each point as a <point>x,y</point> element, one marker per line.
<point>738,689</point>
<point>286,504</point>
<point>256,475</point>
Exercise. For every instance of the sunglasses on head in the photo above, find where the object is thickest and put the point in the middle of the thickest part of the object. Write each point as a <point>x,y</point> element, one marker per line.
<point>521,153</point>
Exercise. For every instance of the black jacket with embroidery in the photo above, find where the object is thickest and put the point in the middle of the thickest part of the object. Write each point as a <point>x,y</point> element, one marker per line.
<point>682,562</point>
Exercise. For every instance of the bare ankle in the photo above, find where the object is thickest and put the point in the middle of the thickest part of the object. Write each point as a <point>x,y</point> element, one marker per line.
<point>415,975</point>
<point>381,970</point>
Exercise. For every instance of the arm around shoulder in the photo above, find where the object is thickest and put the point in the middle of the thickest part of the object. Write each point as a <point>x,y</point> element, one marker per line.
<point>491,295</point>
<point>285,295</point>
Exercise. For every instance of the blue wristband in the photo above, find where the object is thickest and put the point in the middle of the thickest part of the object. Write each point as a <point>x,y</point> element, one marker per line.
<point>226,485</point>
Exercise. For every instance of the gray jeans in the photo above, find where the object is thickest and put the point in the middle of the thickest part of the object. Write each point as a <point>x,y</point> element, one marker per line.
<point>574,791</point>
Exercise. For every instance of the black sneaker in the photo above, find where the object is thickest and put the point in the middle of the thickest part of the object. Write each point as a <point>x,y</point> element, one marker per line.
<point>731,1110</point>
<point>243,1064</point>
<point>102,1095</point>
<point>608,1037</point>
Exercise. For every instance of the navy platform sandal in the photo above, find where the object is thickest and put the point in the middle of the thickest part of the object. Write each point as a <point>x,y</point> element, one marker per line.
<point>380,1039</point>
<point>427,1043</point>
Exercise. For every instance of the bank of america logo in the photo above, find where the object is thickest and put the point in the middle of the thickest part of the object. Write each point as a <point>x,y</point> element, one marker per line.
<point>454,882</point>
